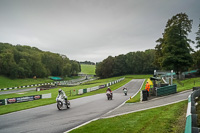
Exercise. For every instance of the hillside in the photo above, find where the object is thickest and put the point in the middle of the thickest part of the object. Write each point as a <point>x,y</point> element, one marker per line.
<point>88,69</point>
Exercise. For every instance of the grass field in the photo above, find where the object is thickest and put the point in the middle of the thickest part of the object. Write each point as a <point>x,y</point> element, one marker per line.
<point>187,84</point>
<point>7,82</point>
<point>170,118</point>
<point>88,69</point>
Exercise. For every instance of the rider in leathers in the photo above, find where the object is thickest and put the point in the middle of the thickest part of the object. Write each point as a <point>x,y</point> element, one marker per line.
<point>63,95</point>
<point>109,90</point>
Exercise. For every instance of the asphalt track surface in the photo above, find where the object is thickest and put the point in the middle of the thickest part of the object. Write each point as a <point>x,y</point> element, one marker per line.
<point>48,119</point>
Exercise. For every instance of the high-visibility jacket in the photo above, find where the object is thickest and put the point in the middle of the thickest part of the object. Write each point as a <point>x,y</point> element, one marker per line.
<point>147,87</point>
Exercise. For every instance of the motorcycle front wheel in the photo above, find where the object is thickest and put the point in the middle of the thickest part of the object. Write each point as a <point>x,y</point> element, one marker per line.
<point>59,105</point>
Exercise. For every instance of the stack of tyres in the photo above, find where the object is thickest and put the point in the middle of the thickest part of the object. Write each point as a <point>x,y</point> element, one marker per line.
<point>144,95</point>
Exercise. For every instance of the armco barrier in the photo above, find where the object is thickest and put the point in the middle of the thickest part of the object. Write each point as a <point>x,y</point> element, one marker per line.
<point>81,91</point>
<point>57,82</point>
<point>26,86</point>
<point>24,99</point>
<point>166,90</point>
<point>191,116</point>
<point>84,90</point>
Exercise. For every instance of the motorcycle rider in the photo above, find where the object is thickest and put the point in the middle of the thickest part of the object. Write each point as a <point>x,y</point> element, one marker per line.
<point>63,95</point>
<point>109,90</point>
<point>124,88</point>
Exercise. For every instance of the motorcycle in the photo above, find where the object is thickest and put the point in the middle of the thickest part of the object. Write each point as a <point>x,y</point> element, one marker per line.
<point>125,91</point>
<point>109,95</point>
<point>61,104</point>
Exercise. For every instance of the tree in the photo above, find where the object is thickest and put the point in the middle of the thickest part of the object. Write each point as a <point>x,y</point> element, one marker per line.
<point>148,65</point>
<point>158,53</point>
<point>175,46</point>
<point>198,37</point>
<point>120,67</point>
<point>25,69</point>
<point>75,67</point>
<point>196,58</point>
<point>98,70</point>
<point>7,63</point>
<point>105,68</point>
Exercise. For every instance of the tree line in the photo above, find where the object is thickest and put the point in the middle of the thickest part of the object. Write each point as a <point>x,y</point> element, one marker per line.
<point>132,63</point>
<point>87,62</point>
<point>18,61</point>
<point>172,52</point>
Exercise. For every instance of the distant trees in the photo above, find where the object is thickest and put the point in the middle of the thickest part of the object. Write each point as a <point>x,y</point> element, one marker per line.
<point>87,62</point>
<point>173,51</point>
<point>25,61</point>
<point>132,63</point>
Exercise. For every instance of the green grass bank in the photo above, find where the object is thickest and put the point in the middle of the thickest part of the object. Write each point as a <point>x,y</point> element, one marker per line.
<point>170,118</point>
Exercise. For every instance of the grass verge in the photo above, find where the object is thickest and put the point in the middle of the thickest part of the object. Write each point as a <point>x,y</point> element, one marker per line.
<point>7,82</point>
<point>170,118</point>
<point>136,98</point>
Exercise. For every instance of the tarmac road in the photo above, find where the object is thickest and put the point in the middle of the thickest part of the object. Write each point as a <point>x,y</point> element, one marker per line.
<point>49,119</point>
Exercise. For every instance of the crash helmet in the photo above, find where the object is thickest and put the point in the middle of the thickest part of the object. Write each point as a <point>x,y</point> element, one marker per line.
<point>59,91</point>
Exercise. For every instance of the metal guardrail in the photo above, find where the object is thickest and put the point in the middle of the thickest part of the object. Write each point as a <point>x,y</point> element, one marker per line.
<point>191,116</point>
<point>51,83</point>
<point>166,90</point>
<point>82,91</point>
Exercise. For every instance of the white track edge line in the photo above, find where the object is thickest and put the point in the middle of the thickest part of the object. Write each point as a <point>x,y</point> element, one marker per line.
<point>143,109</point>
<point>81,125</point>
<point>105,113</point>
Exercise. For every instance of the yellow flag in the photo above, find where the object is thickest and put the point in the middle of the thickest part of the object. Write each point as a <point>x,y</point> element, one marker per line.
<point>149,81</point>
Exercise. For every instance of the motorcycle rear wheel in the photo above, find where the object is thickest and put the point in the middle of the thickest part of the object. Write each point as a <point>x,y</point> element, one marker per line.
<point>68,105</point>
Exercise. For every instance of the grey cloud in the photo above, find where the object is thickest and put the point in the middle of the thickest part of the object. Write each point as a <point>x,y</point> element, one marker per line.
<point>90,29</point>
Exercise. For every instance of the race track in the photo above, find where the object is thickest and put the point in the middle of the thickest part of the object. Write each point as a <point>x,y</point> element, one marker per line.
<point>47,119</point>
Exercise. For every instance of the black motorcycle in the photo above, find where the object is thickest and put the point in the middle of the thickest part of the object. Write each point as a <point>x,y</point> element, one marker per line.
<point>109,95</point>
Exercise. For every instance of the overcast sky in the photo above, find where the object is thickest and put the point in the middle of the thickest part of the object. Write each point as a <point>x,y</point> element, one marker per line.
<point>91,29</point>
